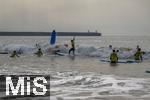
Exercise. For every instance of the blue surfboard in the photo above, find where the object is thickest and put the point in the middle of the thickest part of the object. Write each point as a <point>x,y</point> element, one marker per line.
<point>53,38</point>
<point>120,61</point>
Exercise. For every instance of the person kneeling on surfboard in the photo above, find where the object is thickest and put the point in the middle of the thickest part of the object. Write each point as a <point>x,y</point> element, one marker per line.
<point>72,49</point>
<point>14,54</point>
<point>39,52</point>
<point>138,55</point>
<point>113,57</point>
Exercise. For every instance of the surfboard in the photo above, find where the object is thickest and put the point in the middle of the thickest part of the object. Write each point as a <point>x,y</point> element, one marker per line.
<point>52,41</point>
<point>65,54</point>
<point>120,61</point>
<point>3,52</point>
<point>62,54</point>
<point>53,38</point>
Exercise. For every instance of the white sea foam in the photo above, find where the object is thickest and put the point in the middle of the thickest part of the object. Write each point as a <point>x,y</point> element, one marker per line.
<point>91,51</point>
<point>84,86</point>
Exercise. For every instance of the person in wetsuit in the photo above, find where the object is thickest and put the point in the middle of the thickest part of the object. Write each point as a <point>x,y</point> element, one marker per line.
<point>113,57</point>
<point>72,49</point>
<point>39,53</point>
<point>14,54</point>
<point>138,55</point>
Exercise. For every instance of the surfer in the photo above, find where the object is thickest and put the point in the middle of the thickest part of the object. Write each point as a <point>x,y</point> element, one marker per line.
<point>110,46</point>
<point>72,49</point>
<point>137,47</point>
<point>37,45</point>
<point>14,54</point>
<point>113,57</point>
<point>117,51</point>
<point>138,55</point>
<point>39,52</point>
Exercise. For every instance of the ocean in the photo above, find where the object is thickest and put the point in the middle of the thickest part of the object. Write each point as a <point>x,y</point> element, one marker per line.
<point>84,76</point>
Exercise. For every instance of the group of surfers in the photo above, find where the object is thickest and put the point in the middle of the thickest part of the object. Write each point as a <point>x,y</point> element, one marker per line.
<point>113,56</point>
<point>137,56</point>
<point>54,50</point>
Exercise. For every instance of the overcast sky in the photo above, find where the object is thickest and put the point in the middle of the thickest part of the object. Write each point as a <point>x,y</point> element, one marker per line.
<point>106,16</point>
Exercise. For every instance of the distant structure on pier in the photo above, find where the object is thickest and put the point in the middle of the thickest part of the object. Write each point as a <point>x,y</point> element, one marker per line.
<point>48,33</point>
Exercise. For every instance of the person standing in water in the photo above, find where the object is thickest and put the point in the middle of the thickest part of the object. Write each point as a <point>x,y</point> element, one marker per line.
<point>39,53</point>
<point>72,49</point>
<point>110,46</point>
<point>137,47</point>
<point>113,57</point>
<point>138,55</point>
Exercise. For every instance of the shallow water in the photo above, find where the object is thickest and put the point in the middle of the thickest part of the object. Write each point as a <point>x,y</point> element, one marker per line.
<point>83,77</point>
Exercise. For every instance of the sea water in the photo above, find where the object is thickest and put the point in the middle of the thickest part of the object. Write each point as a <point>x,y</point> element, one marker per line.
<point>84,76</point>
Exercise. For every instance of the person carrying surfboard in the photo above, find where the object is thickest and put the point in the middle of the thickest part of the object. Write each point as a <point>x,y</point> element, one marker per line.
<point>72,49</point>
<point>113,57</point>
<point>138,55</point>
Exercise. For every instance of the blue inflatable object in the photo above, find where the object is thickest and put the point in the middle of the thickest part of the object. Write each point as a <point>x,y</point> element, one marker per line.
<point>53,38</point>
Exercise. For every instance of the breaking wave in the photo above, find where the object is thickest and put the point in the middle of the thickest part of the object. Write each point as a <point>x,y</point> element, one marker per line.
<point>91,51</point>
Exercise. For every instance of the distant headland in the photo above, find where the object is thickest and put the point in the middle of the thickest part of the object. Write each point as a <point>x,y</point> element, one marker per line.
<point>48,33</point>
